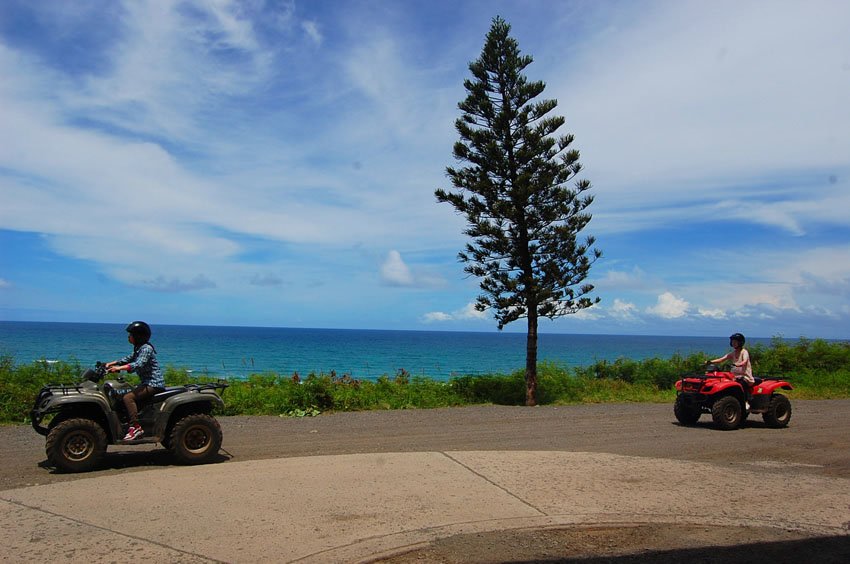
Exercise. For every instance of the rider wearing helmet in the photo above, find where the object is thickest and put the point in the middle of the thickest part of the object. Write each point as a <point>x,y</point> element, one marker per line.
<point>143,362</point>
<point>742,368</point>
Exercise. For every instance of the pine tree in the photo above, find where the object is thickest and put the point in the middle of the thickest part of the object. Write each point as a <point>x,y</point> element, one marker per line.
<point>522,218</point>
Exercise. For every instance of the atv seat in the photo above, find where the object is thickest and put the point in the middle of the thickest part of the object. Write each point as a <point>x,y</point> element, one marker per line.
<point>169,391</point>
<point>757,381</point>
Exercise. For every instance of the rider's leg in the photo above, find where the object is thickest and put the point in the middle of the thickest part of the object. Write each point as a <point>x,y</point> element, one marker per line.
<point>140,394</point>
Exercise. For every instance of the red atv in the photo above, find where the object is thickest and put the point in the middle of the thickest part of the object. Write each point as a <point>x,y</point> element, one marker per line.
<point>728,401</point>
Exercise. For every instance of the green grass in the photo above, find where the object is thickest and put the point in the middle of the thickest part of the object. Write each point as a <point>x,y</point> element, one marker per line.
<point>817,369</point>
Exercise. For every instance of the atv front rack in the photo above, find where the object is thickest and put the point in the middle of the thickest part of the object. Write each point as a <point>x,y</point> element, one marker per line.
<point>39,408</point>
<point>56,390</point>
<point>63,389</point>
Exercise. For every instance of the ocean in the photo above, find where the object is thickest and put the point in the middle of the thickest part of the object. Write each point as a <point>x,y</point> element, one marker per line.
<point>237,352</point>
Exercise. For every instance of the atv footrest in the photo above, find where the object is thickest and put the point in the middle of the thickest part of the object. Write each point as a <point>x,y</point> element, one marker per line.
<point>143,441</point>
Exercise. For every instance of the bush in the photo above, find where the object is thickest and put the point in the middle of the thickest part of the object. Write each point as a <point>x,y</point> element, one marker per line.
<point>20,384</point>
<point>817,369</point>
<point>495,388</point>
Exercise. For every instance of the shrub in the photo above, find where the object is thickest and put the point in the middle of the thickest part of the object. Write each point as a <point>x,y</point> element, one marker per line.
<point>816,369</point>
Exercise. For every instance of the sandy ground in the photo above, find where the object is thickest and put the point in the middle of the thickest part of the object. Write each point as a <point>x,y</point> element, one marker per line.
<point>817,443</point>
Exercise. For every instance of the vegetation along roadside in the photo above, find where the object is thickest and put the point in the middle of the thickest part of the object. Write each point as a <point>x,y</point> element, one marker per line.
<point>816,368</point>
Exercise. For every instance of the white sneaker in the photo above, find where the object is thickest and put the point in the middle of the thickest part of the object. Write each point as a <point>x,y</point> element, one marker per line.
<point>134,433</point>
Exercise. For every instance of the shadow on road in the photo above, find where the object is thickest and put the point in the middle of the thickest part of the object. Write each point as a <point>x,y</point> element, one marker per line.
<point>823,550</point>
<point>123,460</point>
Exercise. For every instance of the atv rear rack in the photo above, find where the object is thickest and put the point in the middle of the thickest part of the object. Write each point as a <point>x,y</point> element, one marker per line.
<point>220,385</point>
<point>704,376</point>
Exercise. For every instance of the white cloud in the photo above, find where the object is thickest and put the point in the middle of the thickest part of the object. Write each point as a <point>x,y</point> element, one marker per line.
<point>197,133</point>
<point>712,313</point>
<point>395,272</point>
<point>436,316</point>
<point>619,280</point>
<point>470,312</point>
<point>5,283</point>
<point>623,310</point>
<point>466,313</point>
<point>312,30</point>
<point>669,306</point>
<point>591,313</point>
<point>702,84</point>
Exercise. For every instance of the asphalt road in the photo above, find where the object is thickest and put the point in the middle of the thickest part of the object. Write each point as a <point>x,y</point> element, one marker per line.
<point>817,441</point>
<point>814,449</point>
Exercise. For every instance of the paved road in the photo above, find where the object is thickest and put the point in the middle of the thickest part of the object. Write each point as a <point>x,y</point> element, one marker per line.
<point>816,442</point>
<point>347,487</point>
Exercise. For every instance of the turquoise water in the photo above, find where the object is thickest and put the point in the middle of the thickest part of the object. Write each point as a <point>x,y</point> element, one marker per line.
<point>366,354</point>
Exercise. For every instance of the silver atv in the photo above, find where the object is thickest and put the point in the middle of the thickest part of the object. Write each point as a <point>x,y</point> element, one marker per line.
<point>80,420</point>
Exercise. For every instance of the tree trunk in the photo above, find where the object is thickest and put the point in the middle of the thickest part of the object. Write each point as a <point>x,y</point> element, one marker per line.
<point>531,359</point>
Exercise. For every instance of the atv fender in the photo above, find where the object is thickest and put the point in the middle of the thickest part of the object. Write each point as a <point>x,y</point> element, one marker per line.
<point>724,387</point>
<point>72,404</point>
<point>193,401</point>
<point>769,387</point>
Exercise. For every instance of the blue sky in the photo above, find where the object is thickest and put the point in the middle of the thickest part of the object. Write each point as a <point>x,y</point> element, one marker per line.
<point>274,162</point>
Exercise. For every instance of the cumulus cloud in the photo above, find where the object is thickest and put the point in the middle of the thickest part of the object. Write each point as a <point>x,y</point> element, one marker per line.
<point>436,316</point>
<point>466,313</point>
<point>591,313</point>
<point>470,312</point>
<point>669,307</point>
<point>394,271</point>
<point>712,313</point>
<point>623,310</point>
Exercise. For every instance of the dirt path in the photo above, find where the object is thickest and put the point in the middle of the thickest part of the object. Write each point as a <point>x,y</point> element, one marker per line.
<point>816,443</point>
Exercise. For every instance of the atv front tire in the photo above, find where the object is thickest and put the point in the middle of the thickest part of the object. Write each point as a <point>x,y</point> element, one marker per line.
<point>195,439</point>
<point>76,445</point>
<point>685,413</point>
<point>778,412</point>
<point>727,413</point>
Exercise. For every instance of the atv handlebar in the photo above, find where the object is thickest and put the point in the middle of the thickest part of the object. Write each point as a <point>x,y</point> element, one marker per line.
<point>95,375</point>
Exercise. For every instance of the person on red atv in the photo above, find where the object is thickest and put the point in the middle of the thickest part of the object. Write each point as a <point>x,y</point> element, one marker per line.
<point>739,357</point>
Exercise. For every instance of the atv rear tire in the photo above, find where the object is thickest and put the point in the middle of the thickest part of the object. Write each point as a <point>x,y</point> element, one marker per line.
<point>727,413</point>
<point>195,439</point>
<point>778,412</point>
<point>76,445</point>
<point>685,413</point>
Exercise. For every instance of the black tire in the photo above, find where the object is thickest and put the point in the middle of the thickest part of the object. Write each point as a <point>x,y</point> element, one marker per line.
<point>76,445</point>
<point>685,413</point>
<point>778,412</point>
<point>727,413</point>
<point>195,439</point>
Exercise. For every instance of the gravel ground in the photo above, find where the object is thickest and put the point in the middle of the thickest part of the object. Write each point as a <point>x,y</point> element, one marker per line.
<point>817,442</point>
